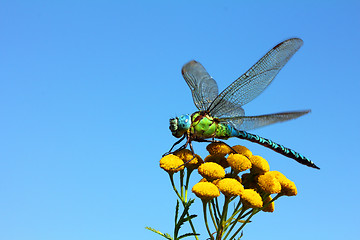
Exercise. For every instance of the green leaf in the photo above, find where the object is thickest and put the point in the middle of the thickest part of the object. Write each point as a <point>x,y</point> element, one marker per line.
<point>165,235</point>
<point>186,207</point>
<point>188,235</point>
<point>187,219</point>
<point>183,218</point>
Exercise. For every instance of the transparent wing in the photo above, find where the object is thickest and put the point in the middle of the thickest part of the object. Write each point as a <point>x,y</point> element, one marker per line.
<point>256,79</point>
<point>232,110</point>
<point>246,123</point>
<point>203,87</point>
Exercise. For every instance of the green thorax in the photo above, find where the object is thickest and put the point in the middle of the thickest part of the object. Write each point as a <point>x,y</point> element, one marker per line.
<point>204,126</point>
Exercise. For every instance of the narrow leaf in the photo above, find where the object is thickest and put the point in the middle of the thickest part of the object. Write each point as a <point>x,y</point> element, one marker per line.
<point>165,235</point>
<point>154,230</point>
<point>183,217</point>
<point>188,235</point>
<point>188,218</point>
<point>168,236</point>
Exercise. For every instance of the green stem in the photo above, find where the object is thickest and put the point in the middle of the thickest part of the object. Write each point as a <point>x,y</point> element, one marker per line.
<point>220,230</point>
<point>214,220</point>
<point>182,183</point>
<point>229,220</point>
<point>243,209</point>
<point>246,214</point>
<point>192,225</point>
<point>205,219</point>
<point>276,197</point>
<point>188,173</point>
<point>236,209</point>
<point>183,202</point>
<point>215,213</point>
<point>253,212</point>
<point>173,185</point>
<point>217,207</point>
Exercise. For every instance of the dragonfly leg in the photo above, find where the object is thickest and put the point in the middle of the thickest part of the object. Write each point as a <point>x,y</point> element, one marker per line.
<point>179,141</point>
<point>192,151</point>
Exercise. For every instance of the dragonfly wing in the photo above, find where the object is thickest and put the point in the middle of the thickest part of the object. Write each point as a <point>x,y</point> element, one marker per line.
<point>256,79</point>
<point>232,110</point>
<point>203,87</point>
<point>246,123</point>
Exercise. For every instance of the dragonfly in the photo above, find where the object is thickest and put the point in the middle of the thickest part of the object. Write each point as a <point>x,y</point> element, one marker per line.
<point>221,116</point>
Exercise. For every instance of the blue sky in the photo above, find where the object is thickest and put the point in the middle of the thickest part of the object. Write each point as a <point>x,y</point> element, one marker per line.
<point>88,87</point>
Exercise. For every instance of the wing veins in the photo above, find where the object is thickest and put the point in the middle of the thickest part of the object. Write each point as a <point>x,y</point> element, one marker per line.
<point>252,122</point>
<point>255,80</point>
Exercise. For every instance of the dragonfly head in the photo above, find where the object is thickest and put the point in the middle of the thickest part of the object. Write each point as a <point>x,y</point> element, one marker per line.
<point>179,125</point>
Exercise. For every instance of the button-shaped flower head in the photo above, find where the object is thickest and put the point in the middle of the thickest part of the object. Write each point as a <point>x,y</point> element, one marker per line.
<point>171,163</point>
<point>211,171</point>
<point>206,190</point>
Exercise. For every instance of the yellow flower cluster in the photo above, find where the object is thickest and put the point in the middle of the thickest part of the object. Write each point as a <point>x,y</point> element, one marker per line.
<point>254,187</point>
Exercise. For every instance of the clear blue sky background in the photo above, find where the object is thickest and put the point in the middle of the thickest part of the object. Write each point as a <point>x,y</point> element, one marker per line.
<point>87,89</point>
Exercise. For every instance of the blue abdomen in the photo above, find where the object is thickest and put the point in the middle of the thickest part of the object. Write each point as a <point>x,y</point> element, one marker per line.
<point>274,146</point>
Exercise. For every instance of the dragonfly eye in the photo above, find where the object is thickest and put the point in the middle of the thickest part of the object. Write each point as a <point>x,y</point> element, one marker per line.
<point>184,121</point>
<point>179,126</point>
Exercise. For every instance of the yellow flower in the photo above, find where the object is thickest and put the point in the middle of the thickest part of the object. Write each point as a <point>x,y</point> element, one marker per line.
<point>251,198</point>
<point>211,171</point>
<point>171,163</point>
<point>259,164</point>
<point>218,148</point>
<point>242,150</point>
<point>205,190</point>
<point>268,207</point>
<point>279,176</point>
<point>269,183</point>
<point>186,155</point>
<point>218,158</point>
<point>230,187</point>
<point>288,187</point>
<point>238,162</point>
